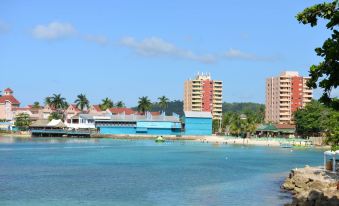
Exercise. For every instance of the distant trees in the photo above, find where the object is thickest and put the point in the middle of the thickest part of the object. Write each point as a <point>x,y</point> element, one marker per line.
<point>82,102</point>
<point>241,124</point>
<point>316,119</point>
<point>22,121</point>
<point>36,105</point>
<point>57,101</point>
<point>106,103</point>
<point>326,73</point>
<point>163,102</point>
<point>120,104</point>
<point>56,115</point>
<point>144,104</point>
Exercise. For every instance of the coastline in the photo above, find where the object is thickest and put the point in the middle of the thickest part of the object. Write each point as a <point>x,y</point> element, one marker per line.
<point>271,142</point>
<point>312,186</point>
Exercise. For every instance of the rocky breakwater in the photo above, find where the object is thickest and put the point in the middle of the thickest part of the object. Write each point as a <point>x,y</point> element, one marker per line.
<point>312,186</point>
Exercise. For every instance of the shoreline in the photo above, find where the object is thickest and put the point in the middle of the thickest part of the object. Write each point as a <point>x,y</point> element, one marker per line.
<point>312,186</point>
<point>203,139</point>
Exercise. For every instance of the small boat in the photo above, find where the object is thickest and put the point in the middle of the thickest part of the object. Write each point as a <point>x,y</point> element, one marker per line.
<point>285,145</point>
<point>159,139</point>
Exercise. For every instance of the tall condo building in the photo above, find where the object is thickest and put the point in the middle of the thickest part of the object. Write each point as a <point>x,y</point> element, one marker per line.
<point>284,95</point>
<point>202,94</point>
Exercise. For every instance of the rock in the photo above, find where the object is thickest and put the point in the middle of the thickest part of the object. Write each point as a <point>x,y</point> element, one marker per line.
<point>317,185</point>
<point>312,186</point>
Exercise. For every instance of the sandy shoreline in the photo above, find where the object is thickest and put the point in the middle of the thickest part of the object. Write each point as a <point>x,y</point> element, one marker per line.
<point>269,142</point>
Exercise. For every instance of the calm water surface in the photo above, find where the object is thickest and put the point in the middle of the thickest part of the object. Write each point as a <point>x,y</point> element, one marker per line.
<point>65,172</point>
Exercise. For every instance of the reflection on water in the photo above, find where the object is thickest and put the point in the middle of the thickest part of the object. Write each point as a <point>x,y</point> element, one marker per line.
<point>50,140</point>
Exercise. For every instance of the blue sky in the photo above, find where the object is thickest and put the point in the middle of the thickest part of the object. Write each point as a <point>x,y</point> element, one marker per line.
<point>127,49</point>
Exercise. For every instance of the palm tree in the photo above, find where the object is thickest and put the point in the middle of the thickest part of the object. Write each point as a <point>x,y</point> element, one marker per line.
<point>82,102</point>
<point>120,104</point>
<point>163,102</point>
<point>106,103</point>
<point>144,104</point>
<point>48,100</point>
<point>36,105</point>
<point>57,102</point>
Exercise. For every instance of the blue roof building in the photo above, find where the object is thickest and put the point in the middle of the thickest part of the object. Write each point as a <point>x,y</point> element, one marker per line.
<point>140,124</point>
<point>198,123</point>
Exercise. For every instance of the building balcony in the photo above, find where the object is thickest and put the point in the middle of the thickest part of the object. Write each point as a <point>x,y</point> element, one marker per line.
<point>284,80</point>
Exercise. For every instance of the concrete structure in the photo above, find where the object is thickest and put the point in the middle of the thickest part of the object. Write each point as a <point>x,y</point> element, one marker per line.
<point>198,123</point>
<point>284,95</point>
<point>202,94</point>
<point>140,124</point>
<point>85,121</point>
<point>7,103</point>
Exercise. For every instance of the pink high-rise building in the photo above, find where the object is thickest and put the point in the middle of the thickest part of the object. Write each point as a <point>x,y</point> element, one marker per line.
<point>284,95</point>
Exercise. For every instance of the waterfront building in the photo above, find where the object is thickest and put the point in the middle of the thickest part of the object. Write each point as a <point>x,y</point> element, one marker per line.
<point>197,123</point>
<point>7,103</point>
<point>123,123</point>
<point>96,110</point>
<point>284,95</point>
<point>118,110</point>
<point>276,130</point>
<point>71,111</point>
<point>202,94</point>
<point>46,111</point>
<point>85,121</point>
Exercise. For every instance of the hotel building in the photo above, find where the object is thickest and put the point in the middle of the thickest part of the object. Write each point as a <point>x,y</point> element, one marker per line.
<point>202,94</point>
<point>284,95</point>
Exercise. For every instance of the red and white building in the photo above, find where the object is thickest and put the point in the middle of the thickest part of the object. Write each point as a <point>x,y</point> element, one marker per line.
<point>202,94</point>
<point>284,95</point>
<point>8,103</point>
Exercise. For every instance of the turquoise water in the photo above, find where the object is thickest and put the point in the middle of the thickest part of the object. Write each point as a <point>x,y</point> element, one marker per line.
<point>56,171</point>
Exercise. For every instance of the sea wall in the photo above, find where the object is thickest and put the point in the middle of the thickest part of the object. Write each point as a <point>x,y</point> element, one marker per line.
<point>312,186</point>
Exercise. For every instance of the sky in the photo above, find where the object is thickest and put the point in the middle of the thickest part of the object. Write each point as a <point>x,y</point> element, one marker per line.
<point>127,49</point>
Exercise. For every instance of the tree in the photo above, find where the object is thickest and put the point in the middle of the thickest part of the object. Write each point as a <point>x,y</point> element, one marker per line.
<point>48,101</point>
<point>311,120</point>
<point>106,104</point>
<point>317,119</point>
<point>120,104</point>
<point>36,105</point>
<point>240,124</point>
<point>22,121</point>
<point>57,102</point>
<point>55,115</point>
<point>163,102</point>
<point>82,102</point>
<point>144,104</point>
<point>326,73</point>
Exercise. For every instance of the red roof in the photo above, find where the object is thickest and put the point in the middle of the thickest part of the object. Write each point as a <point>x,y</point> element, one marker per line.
<point>74,106</point>
<point>8,90</point>
<point>152,113</point>
<point>20,109</point>
<point>97,108</point>
<point>116,110</point>
<point>285,126</point>
<point>9,98</point>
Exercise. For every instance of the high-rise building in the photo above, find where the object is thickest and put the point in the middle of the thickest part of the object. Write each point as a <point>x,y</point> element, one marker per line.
<point>284,95</point>
<point>202,94</point>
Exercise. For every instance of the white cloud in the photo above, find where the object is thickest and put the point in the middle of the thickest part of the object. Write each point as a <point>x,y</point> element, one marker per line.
<point>102,40</point>
<point>54,30</point>
<point>237,54</point>
<point>155,46</point>
<point>3,27</point>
